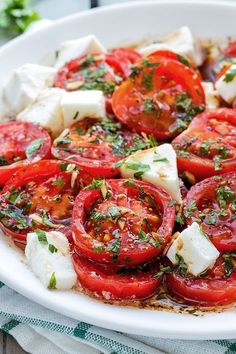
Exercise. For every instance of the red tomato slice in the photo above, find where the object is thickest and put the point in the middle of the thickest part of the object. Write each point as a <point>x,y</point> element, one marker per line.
<point>124,222</point>
<point>159,98</point>
<point>213,289</point>
<point>230,50</point>
<point>116,283</point>
<point>208,146</point>
<point>21,143</point>
<point>126,57</point>
<point>90,72</point>
<point>212,202</point>
<point>40,195</point>
<point>97,145</point>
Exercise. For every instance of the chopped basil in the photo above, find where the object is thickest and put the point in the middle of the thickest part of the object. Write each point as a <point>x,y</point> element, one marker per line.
<point>230,75</point>
<point>98,249</point>
<point>33,147</point>
<point>147,80</point>
<point>149,106</point>
<point>19,220</point>
<point>115,244</point>
<point>137,166</point>
<point>135,71</point>
<point>182,266</point>
<point>159,158</point>
<point>162,271</point>
<point>59,182</point>
<point>52,248</point>
<point>224,195</point>
<point>42,237</point>
<point>129,183</point>
<point>79,131</point>
<point>190,209</point>
<point>52,282</point>
<point>76,115</point>
<point>95,184</point>
<point>172,202</point>
<point>115,212</point>
<point>46,221</point>
<point>183,60</point>
<point>179,220</point>
<point>3,161</point>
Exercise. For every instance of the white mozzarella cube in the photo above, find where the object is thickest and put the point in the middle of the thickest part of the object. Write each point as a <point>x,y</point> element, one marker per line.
<point>25,84</point>
<point>180,41</point>
<point>78,47</point>
<point>198,253</point>
<point>226,84</point>
<point>212,96</point>
<point>46,111</point>
<point>77,105</point>
<point>159,166</point>
<point>50,260</point>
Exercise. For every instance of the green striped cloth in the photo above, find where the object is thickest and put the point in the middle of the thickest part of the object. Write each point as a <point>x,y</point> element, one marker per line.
<point>39,331</point>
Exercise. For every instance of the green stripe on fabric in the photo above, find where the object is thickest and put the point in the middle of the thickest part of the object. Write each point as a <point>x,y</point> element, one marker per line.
<point>112,344</point>
<point>1,284</point>
<point>7,327</point>
<point>81,330</point>
<point>231,348</point>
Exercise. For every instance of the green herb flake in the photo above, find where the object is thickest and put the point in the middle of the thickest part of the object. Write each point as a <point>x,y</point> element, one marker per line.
<point>33,147</point>
<point>95,184</point>
<point>76,115</point>
<point>147,80</point>
<point>230,75</point>
<point>163,270</point>
<point>52,248</point>
<point>98,249</point>
<point>59,182</point>
<point>42,237</point>
<point>52,282</point>
<point>137,166</point>
<point>182,266</point>
<point>130,183</point>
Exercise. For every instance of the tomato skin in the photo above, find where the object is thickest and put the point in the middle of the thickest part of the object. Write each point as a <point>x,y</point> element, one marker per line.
<point>212,290</point>
<point>126,57</point>
<point>16,136</point>
<point>37,172</point>
<point>128,100</point>
<point>97,146</point>
<point>230,50</point>
<point>201,129</point>
<point>223,233</point>
<point>105,283</point>
<point>129,254</point>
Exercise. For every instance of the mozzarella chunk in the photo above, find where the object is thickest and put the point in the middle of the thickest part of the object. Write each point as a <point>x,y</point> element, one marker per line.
<point>76,48</point>
<point>77,105</point>
<point>181,41</point>
<point>226,84</point>
<point>46,111</point>
<point>197,251</point>
<point>25,84</point>
<point>159,168</point>
<point>50,260</point>
<point>212,96</point>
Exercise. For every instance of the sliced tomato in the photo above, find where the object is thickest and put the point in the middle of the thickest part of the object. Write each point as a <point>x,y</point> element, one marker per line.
<point>208,146</point>
<point>113,283</point>
<point>230,50</point>
<point>126,57</point>
<point>21,143</point>
<point>159,98</point>
<point>212,202</point>
<point>40,195</point>
<point>90,72</point>
<point>212,289</point>
<point>123,222</point>
<point>97,145</point>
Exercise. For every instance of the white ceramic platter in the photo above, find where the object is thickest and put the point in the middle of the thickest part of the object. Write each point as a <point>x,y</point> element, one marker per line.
<point>116,25</point>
